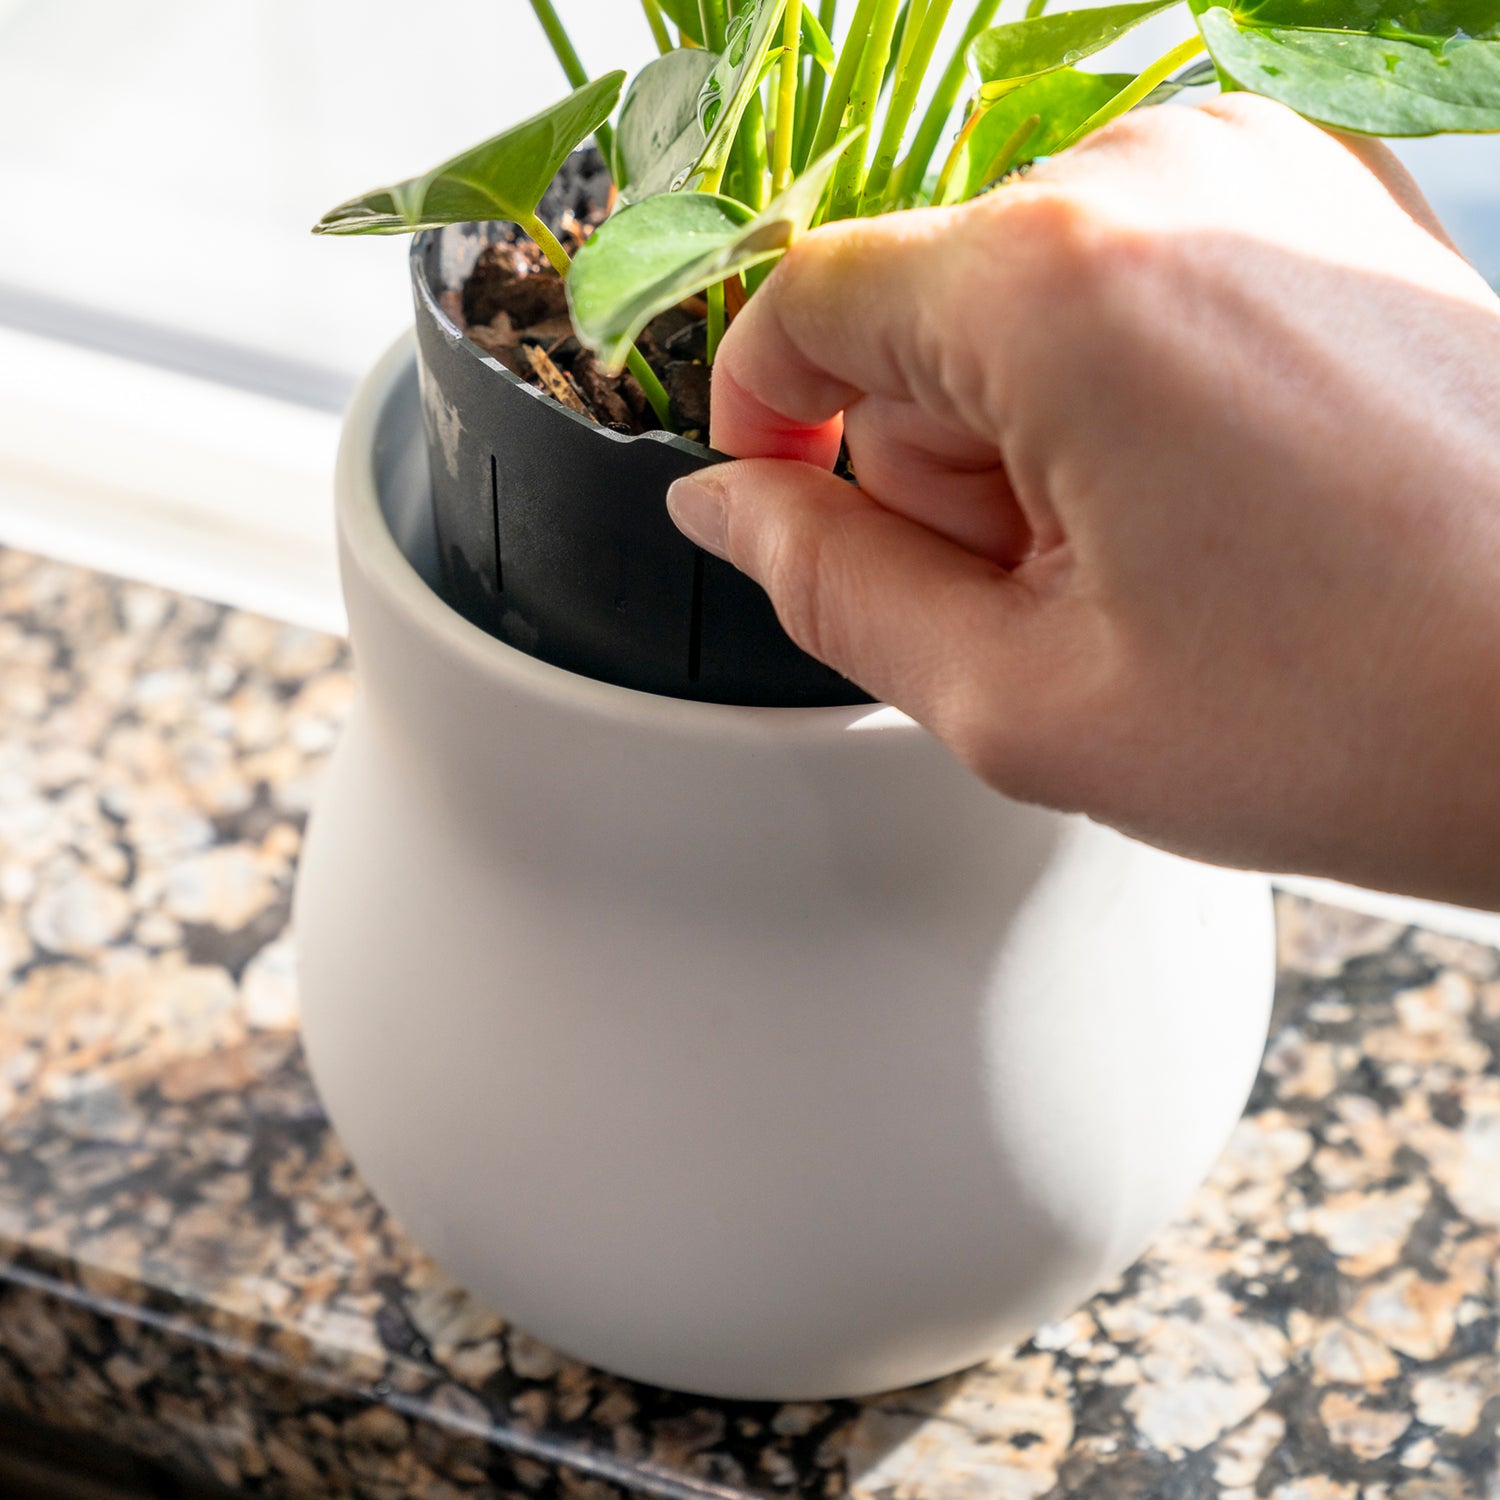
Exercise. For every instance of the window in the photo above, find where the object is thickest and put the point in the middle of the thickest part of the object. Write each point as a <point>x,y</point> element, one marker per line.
<point>175,347</point>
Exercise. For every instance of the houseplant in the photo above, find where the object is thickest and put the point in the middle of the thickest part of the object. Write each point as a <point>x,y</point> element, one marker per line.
<point>749,128</point>
<point>755,1050</point>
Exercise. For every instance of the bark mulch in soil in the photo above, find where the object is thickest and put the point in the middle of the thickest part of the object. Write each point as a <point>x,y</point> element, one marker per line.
<point>515,307</point>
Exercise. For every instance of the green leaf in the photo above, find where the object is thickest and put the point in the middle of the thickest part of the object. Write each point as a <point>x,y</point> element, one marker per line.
<point>648,257</point>
<point>1194,76</point>
<point>504,178</point>
<point>1004,57</point>
<point>1432,20</point>
<point>734,79</point>
<point>815,42</point>
<point>657,136</point>
<point>1383,77</point>
<point>684,15</point>
<point>768,63</point>
<point>1062,100</point>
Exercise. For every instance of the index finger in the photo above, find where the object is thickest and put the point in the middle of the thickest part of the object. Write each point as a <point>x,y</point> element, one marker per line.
<point>843,315</point>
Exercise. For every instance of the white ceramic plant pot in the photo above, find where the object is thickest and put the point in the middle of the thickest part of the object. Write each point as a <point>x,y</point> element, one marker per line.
<point>758,1052</point>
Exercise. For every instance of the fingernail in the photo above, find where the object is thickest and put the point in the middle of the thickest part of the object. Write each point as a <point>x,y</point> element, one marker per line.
<point>696,505</point>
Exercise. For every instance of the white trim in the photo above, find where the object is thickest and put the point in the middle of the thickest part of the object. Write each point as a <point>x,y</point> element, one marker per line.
<point>172,480</point>
<point>1456,921</point>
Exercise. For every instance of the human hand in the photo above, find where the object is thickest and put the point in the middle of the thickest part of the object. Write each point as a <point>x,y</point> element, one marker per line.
<point>1179,492</point>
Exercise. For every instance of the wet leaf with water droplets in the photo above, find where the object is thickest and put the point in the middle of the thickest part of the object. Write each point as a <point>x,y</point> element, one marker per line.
<point>1380,77</point>
<point>659,136</point>
<point>1005,57</point>
<point>501,178</point>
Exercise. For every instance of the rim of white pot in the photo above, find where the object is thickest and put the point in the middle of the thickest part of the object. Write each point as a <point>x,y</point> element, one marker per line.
<point>387,571</point>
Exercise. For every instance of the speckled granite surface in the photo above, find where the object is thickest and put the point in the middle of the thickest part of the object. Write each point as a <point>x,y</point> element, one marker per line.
<point>189,1267</point>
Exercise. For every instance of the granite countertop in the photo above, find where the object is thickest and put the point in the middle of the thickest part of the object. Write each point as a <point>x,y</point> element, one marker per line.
<point>191,1271</point>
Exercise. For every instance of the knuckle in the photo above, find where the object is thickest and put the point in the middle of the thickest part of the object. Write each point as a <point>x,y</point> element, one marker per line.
<point>1086,256</point>
<point>1054,233</point>
<point>820,258</point>
<point>1133,142</point>
<point>1020,760</point>
<point>1239,107</point>
<point>1150,128</point>
<point>968,731</point>
<point>830,292</point>
<point>1090,244</point>
<point>1027,715</point>
<point>798,576</point>
<point>1000,754</point>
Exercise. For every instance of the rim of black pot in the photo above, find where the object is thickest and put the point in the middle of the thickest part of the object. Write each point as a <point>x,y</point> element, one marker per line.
<point>664,590</point>
<point>425,247</point>
<point>368,455</point>
<point>604,589</point>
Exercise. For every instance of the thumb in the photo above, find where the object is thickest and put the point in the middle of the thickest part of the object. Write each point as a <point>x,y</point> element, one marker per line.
<point>914,619</point>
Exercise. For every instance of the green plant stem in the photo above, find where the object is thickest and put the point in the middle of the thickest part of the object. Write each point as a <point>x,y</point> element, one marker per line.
<point>564,51</point>
<point>912,70</point>
<point>786,96</point>
<point>810,99</point>
<point>658,26</point>
<point>551,245</point>
<point>773,119</point>
<point>913,14</point>
<point>711,16</point>
<point>831,119</point>
<point>635,361</point>
<point>1035,9</point>
<point>715,331</point>
<point>908,178</point>
<point>751,147</point>
<point>801,137</point>
<point>645,377</point>
<point>1005,157</point>
<point>562,45</point>
<point>744,175</point>
<point>849,175</point>
<point>1134,92</point>
<point>955,155</point>
<point>904,30</point>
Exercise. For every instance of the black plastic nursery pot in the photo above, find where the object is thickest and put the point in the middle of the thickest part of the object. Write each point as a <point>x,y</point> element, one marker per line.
<point>554,532</point>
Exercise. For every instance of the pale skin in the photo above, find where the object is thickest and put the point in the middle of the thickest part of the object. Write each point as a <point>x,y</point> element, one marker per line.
<point>1179,492</point>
